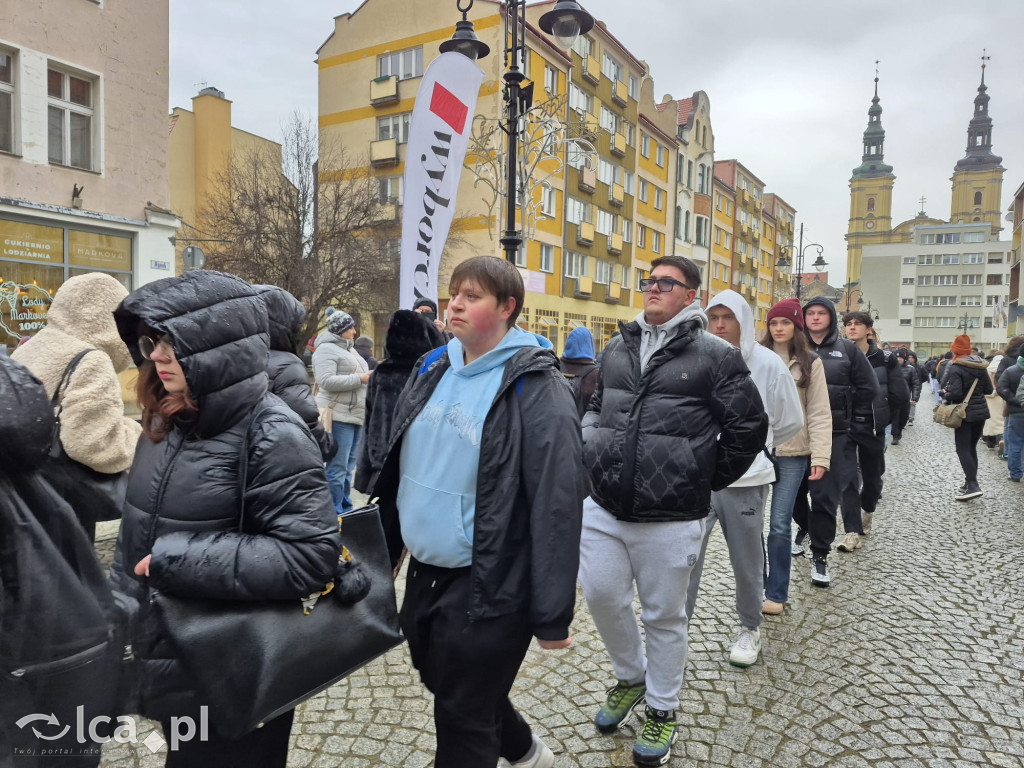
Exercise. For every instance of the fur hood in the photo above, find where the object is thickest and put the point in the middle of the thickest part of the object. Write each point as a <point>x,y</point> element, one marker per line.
<point>972,361</point>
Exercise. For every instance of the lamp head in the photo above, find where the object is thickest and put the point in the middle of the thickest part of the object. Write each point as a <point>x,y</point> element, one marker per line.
<point>465,41</point>
<point>819,263</point>
<point>566,22</point>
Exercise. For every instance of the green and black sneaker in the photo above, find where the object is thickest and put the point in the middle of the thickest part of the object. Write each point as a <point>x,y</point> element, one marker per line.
<point>621,700</point>
<point>654,744</point>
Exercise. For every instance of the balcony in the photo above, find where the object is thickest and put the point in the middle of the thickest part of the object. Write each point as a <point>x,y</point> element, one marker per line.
<point>613,292</point>
<point>755,236</point>
<point>384,90</point>
<point>745,197</point>
<point>587,179</point>
<point>592,69</point>
<point>616,194</point>
<point>585,233</point>
<point>615,243</point>
<point>743,260</point>
<point>617,144</point>
<point>384,152</point>
<point>620,93</point>
<point>744,231</point>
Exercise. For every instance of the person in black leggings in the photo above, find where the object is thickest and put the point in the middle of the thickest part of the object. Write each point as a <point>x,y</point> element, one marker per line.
<point>967,370</point>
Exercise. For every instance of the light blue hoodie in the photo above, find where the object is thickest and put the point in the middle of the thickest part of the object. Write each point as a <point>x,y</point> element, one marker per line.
<point>440,454</point>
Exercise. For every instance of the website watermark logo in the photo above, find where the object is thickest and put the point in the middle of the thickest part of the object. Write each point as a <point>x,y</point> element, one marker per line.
<point>81,737</point>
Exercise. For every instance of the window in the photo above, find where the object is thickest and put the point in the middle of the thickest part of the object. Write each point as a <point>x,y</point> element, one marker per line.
<point>924,280</point>
<point>583,46</point>
<point>70,113</point>
<point>608,172</point>
<point>970,301</point>
<point>547,258</point>
<point>641,236</point>
<point>634,88</point>
<point>627,231</point>
<point>907,302</point>
<point>640,275</point>
<point>994,280</point>
<point>629,183</point>
<point>945,322</point>
<point>949,258</point>
<point>995,258</point>
<point>394,127</point>
<point>659,199</point>
<point>625,276</point>
<point>905,321</point>
<point>703,179</point>
<point>908,281</point>
<point>686,226</point>
<point>924,301</point>
<point>609,120</point>
<point>871,205</point>
<point>575,264</point>
<point>689,173</point>
<point>606,222</point>
<point>402,64</point>
<point>656,241</point>
<point>612,69</point>
<point>580,100</point>
<point>941,238</point>
<point>991,301</point>
<point>644,192</point>
<point>603,271</point>
<point>944,301</point>
<point>926,260</point>
<point>6,102</point>
<point>972,280</point>
<point>630,133</point>
<point>701,230</point>
<point>946,279</point>
<point>977,198</point>
<point>550,79</point>
<point>661,154</point>
<point>645,145</point>
<point>728,207</point>
<point>718,235</point>
<point>910,260</point>
<point>520,260</point>
<point>389,189</point>
<point>548,200</point>
<point>579,210</point>
<point>925,322</point>
<point>974,237</point>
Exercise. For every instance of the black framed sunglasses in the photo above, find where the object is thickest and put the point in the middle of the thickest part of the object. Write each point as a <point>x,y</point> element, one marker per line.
<point>665,284</point>
<point>147,345</point>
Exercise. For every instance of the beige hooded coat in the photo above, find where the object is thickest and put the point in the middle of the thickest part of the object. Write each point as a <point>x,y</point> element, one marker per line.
<point>94,430</point>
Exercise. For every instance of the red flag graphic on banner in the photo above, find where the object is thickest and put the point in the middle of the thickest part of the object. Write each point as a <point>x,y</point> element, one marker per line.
<point>447,106</point>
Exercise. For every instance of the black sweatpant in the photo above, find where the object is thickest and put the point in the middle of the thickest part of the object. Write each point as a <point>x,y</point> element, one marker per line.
<point>469,666</point>
<point>966,437</point>
<point>265,747</point>
<point>900,417</point>
<point>819,519</point>
<point>869,449</point>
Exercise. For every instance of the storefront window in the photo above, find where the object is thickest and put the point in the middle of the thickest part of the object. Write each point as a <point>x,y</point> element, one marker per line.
<point>26,291</point>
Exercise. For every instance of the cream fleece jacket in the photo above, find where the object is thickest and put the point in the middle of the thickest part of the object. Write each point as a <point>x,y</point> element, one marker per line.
<point>94,430</point>
<point>815,438</point>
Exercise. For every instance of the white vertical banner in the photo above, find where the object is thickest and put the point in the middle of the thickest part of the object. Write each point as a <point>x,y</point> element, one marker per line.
<point>438,138</point>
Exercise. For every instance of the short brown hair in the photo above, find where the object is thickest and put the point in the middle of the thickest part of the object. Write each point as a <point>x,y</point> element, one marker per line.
<point>690,272</point>
<point>494,275</point>
<point>858,317</point>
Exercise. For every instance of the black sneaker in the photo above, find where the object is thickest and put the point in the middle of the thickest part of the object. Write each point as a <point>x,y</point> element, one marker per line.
<point>971,491</point>
<point>820,576</point>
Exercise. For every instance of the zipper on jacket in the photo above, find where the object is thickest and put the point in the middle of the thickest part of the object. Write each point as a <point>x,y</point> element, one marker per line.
<point>60,665</point>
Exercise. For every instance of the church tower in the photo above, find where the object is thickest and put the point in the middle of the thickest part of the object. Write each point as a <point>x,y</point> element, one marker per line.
<point>870,194</point>
<point>978,176</point>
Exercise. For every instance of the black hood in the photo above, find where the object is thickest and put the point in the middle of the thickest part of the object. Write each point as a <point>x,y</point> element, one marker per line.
<point>833,332</point>
<point>286,315</point>
<point>410,336</point>
<point>218,328</point>
<point>26,418</point>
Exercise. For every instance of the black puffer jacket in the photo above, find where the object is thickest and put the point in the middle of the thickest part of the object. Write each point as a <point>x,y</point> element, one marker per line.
<point>912,376</point>
<point>656,444</point>
<point>183,500</point>
<point>288,377</point>
<point>1010,358</point>
<point>892,389</point>
<point>27,419</point>
<point>410,336</point>
<point>956,383</point>
<point>852,385</point>
<point>529,493</point>
<point>1007,385</point>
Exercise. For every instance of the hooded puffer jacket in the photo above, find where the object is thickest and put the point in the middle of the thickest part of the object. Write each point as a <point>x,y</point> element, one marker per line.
<point>410,336</point>
<point>184,501</point>
<point>27,424</point>
<point>93,428</point>
<point>287,372</point>
<point>912,376</point>
<point>852,385</point>
<point>892,389</point>
<point>1007,386</point>
<point>957,380</point>
<point>657,442</point>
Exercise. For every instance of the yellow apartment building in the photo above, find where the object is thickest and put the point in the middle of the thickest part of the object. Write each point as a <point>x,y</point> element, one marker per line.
<point>723,223</point>
<point>785,217</point>
<point>202,142</point>
<point>746,252</point>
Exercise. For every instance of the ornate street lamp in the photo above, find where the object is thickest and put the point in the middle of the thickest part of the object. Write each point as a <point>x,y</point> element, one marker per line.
<point>565,22</point>
<point>819,263</point>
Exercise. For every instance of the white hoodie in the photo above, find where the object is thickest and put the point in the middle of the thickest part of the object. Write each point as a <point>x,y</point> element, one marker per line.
<point>774,383</point>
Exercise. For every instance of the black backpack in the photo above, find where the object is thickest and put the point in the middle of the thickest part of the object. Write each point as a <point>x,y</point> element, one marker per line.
<point>576,384</point>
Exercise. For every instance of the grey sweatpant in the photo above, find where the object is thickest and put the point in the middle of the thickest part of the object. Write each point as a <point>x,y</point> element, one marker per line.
<point>658,558</point>
<point>741,513</point>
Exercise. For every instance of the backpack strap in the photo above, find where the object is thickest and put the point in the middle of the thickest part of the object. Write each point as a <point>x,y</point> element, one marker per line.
<point>56,448</point>
<point>432,357</point>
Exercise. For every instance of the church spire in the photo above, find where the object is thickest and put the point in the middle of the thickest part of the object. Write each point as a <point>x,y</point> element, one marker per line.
<point>979,155</point>
<point>872,161</point>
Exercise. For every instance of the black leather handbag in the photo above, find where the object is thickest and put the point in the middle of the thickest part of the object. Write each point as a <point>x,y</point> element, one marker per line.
<point>255,661</point>
<point>95,496</point>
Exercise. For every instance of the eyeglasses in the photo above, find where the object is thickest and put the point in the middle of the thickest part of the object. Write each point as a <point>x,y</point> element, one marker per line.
<point>665,284</point>
<point>147,346</point>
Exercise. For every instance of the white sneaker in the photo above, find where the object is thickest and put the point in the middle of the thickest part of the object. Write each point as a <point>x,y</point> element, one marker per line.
<point>798,542</point>
<point>746,649</point>
<point>850,542</point>
<point>539,756</point>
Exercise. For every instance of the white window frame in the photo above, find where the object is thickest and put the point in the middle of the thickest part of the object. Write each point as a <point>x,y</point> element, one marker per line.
<point>398,126</point>
<point>550,79</point>
<point>549,201</point>
<point>575,264</point>
<point>659,198</point>
<point>974,258</point>
<point>643,191</point>
<point>390,189</point>
<point>645,145</point>
<point>67,110</point>
<point>9,94</point>
<point>387,63</point>
<point>974,237</point>
<point>612,69</point>
<point>603,271</point>
<point>661,156</point>
<point>547,258</point>
<point>656,241</point>
<point>972,280</point>
<point>641,236</point>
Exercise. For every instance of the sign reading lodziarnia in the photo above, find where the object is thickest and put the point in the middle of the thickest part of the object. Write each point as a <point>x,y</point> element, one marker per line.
<point>438,139</point>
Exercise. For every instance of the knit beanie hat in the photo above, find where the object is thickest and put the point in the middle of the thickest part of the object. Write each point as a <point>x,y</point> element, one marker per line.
<point>425,302</point>
<point>338,322</point>
<point>789,309</point>
<point>364,341</point>
<point>962,345</point>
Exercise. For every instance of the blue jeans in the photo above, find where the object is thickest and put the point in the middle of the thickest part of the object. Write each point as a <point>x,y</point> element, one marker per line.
<point>792,470</point>
<point>1014,443</point>
<point>341,468</point>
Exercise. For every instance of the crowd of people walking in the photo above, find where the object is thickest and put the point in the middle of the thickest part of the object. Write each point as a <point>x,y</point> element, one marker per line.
<point>502,473</point>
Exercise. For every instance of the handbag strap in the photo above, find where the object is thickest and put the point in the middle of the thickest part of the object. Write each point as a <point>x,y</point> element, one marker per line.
<point>970,392</point>
<point>65,379</point>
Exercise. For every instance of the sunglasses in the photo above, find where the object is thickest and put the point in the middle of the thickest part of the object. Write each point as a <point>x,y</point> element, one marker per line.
<point>147,346</point>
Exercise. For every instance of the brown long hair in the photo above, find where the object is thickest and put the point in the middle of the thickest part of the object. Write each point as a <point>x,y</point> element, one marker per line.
<point>798,350</point>
<point>161,410</point>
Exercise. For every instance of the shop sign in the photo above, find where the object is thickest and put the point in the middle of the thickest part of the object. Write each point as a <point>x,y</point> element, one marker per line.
<point>31,242</point>
<point>23,309</point>
<point>88,249</point>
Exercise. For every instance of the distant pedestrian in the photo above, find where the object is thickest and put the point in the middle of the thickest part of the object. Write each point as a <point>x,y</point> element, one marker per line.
<point>579,366</point>
<point>364,346</point>
<point>902,411</point>
<point>966,369</point>
<point>1009,388</point>
<point>428,309</point>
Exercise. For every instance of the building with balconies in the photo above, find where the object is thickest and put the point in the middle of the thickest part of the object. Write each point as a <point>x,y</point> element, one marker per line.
<point>723,227</point>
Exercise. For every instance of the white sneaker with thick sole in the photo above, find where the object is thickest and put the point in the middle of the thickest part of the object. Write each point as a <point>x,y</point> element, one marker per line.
<point>850,542</point>
<point>746,649</point>
<point>539,756</point>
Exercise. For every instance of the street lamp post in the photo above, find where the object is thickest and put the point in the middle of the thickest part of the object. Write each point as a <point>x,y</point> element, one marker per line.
<point>966,323</point>
<point>819,263</point>
<point>565,22</point>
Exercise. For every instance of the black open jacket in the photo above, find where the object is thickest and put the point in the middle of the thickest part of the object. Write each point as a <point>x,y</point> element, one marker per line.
<point>957,378</point>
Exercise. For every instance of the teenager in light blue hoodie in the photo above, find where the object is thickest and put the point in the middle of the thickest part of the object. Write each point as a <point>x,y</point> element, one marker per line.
<point>482,485</point>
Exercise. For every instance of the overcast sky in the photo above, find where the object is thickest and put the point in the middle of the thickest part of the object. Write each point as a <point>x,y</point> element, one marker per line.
<point>790,83</point>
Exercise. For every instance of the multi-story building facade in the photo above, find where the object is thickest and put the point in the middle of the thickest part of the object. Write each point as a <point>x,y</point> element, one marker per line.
<point>83,151</point>
<point>784,216</point>
<point>950,279</point>
<point>723,225</point>
<point>202,143</point>
<point>746,252</point>
<point>1016,309</point>
<point>694,218</point>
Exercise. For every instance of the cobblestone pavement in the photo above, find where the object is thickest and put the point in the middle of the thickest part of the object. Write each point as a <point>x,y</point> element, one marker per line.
<point>914,658</point>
